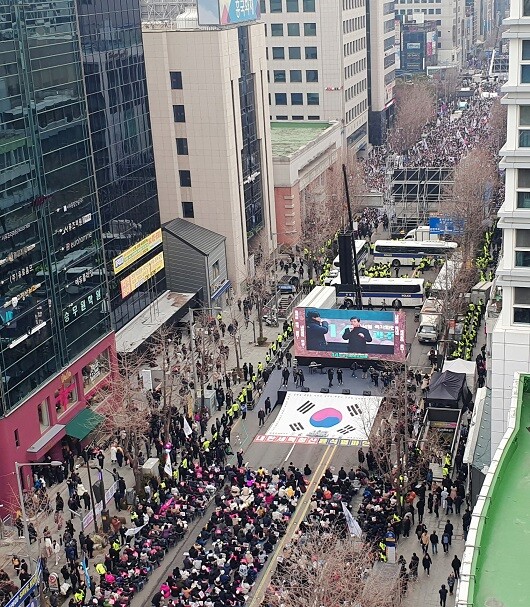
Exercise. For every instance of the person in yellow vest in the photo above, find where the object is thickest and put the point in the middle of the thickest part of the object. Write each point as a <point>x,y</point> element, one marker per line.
<point>260,369</point>
<point>206,445</point>
<point>267,358</point>
<point>219,317</point>
<point>79,596</point>
<point>102,570</point>
<point>236,407</point>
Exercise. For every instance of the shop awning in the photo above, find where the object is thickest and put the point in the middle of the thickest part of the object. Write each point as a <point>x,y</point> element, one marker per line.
<point>53,434</point>
<point>83,423</point>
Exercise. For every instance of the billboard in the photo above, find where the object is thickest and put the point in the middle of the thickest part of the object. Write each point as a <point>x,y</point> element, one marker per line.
<point>445,225</point>
<point>349,334</point>
<point>132,254</point>
<point>227,12</point>
<point>140,276</point>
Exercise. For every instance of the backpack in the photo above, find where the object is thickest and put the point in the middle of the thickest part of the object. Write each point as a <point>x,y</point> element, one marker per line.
<point>445,538</point>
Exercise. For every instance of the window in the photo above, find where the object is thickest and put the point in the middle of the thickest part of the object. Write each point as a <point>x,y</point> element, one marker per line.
<point>293,29</point>
<point>310,29</point>
<point>311,52</point>
<point>526,8</point>
<point>278,52</point>
<point>522,248</point>
<point>276,6</point>
<point>526,50</point>
<point>521,300</point>
<point>298,117</point>
<point>313,117</point>
<point>281,117</point>
<point>311,75</point>
<point>524,121</point>
<point>297,99</point>
<point>295,52</point>
<point>295,76</point>
<point>185,179</point>
<point>179,114</point>
<point>525,74</point>
<point>276,29</point>
<point>176,80</point>
<point>292,6</point>
<point>17,438</point>
<point>44,414</point>
<point>262,7</point>
<point>280,98</point>
<point>182,146</point>
<point>216,270</point>
<point>279,75</point>
<point>523,188</point>
<point>313,98</point>
<point>187,210</point>
<point>309,6</point>
<point>65,395</point>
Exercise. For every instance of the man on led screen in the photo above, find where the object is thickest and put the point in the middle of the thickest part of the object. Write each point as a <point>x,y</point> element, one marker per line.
<point>356,336</point>
<point>316,329</point>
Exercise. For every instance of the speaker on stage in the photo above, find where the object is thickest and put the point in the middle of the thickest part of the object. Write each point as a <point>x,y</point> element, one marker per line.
<point>367,393</point>
<point>305,389</point>
<point>324,390</point>
<point>345,391</point>
<point>282,393</point>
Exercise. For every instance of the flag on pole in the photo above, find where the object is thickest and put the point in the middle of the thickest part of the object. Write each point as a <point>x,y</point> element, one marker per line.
<point>168,469</point>
<point>353,526</point>
<point>187,429</point>
<point>133,531</point>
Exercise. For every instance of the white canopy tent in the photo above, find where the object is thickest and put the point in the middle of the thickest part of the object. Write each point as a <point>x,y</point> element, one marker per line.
<point>458,365</point>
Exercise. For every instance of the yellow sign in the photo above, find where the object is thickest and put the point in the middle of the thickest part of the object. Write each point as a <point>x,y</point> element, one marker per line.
<point>138,250</point>
<point>140,276</point>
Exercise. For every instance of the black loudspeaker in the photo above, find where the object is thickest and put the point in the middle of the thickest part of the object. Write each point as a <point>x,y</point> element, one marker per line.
<point>282,393</point>
<point>346,258</point>
<point>345,391</point>
<point>324,390</point>
<point>97,489</point>
<point>367,393</point>
<point>305,389</point>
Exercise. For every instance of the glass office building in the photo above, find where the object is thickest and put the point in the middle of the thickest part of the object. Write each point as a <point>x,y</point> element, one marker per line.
<point>80,239</point>
<point>52,284</point>
<point>113,63</point>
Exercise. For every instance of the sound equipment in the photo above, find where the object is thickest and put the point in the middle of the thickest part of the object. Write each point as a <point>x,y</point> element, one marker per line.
<point>345,391</point>
<point>324,390</point>
<point>305,389</point>
<point>367,393</point>
<point>346,242</point>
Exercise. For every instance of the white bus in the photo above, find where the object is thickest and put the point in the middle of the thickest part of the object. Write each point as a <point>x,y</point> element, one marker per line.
<point>409,292</point>
<point>446,277</point>
<point>405,253</point>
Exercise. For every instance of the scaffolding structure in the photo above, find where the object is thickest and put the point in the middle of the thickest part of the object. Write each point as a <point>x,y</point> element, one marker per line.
<point>416,194</point>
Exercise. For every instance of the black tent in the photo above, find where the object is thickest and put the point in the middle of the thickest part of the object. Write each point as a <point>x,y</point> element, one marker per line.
<point>448,389</point>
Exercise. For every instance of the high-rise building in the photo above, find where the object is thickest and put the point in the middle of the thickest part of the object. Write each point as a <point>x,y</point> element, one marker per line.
<point>381,68</point>
<point>79,248</point>
<point>116,92</point>
<point>449,18</point>
<point>317,63</point>
<point>208,97</point>
<point>509,309</point>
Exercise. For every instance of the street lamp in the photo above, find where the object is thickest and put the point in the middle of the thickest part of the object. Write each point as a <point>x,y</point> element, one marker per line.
<point>18,466</point>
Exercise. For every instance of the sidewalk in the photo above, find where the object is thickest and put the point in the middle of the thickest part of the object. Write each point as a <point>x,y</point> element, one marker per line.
<point>424,591</point>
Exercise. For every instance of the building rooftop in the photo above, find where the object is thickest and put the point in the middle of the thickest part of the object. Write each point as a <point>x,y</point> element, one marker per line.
<point>201,239</point>
<point>289,137</point>
<point>495,574</point>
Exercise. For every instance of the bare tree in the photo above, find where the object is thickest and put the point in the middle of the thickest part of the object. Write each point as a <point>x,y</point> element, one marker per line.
<point>328,569</point>
<point>497,125</point>
<point>127,413</point>
<point>260,289</point>
<point>416,106</point>
<point>470,198</point>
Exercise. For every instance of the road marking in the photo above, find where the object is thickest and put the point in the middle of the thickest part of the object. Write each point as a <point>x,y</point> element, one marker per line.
<point>298,517</point>
<point>289,454</point>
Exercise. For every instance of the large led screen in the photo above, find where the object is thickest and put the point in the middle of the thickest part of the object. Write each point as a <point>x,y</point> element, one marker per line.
<point>355,334</point>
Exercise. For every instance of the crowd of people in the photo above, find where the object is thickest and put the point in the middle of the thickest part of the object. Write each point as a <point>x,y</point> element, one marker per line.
<point>445,140</point>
